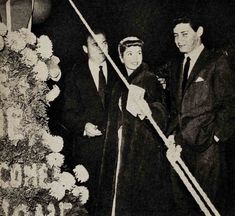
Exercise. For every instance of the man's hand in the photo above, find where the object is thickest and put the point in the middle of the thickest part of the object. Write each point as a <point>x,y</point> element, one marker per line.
<point>91,130</point>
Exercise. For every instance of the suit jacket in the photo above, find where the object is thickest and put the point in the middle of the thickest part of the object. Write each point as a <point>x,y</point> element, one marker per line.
<point>83,104</point>
<point>206,107</point>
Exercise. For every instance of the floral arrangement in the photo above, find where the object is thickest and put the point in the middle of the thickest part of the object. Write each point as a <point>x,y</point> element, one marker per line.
<point>26,146</point>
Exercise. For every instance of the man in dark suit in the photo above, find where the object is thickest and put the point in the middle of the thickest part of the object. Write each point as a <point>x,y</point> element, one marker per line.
<point>86,98</point>
<point>202,115</point>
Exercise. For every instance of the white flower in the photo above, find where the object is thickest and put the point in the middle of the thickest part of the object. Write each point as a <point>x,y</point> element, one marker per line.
<point>46,136</point>
<point>54,72</point>
<point>43,132</point>
<point>67,180</point>
<point>15,42</point>
<point>41,71</point>
<point>3,29</point>
<point>81,173</point>
<point>44,47</point>
<point>55,59</point>
<point>55,159</point>
<point>57,190</point>
<point>56,172</point>
<point>28,36</point>
<point>51,95</point>
<point>54,69</point>
<point>82,192</point>
<point>2,43</point>
<point>55,143</point>
<point>29,56</point>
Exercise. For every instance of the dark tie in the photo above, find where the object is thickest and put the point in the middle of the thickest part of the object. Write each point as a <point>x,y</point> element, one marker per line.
<point>102,85</point>
<point>185,75</point>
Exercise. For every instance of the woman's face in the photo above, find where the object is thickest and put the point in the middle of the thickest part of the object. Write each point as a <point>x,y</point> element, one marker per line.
<point>132,57</point>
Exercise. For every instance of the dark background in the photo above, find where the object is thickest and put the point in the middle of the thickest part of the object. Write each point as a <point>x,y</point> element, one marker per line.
<point>148,19</point>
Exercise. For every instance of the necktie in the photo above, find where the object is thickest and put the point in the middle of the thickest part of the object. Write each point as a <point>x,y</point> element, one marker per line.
<point>185,75</point>
<point>102,85</point>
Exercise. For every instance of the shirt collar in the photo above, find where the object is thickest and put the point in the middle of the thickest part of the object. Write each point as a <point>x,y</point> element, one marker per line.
<point>94,70</point>
<point>129,71</point>
<point>94,66</point>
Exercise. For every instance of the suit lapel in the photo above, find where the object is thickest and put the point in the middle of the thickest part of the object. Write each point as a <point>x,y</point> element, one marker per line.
<point>109,77</point>
<point>200,63</point>
<point>89,84</point>
<point>178,80</point>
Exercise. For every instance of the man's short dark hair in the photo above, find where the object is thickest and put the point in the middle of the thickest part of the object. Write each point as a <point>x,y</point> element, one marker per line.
<point>96,31</point>
<point>192,21</point>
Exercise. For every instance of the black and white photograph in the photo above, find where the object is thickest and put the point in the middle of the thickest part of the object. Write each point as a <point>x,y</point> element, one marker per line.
<point>117,108</point>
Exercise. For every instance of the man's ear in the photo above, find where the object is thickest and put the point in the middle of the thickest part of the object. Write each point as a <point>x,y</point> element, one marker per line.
<point>84,49</point>
<point>200,31</point>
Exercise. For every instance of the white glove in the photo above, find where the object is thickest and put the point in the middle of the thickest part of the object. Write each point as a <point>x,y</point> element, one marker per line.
<point>174,151</point>
<point>136,104</point>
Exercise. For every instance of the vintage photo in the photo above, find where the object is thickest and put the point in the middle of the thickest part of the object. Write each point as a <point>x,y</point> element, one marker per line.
<point>117,108</point>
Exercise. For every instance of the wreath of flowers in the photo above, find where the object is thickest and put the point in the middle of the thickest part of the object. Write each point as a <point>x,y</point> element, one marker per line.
<point>26,63</point>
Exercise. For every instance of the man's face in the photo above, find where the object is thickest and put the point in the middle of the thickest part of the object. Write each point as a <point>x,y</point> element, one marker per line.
<point>132,57</point>
<point>186,39</point>
<point>92,49</point>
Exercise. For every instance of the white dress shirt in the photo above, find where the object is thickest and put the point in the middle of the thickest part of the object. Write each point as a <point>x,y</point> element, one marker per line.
<point>94,69</point>
<point>193,55</point>
<point>129,71</point>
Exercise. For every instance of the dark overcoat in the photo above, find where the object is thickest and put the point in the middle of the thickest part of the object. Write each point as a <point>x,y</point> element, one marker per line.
<point>204,110</point>
<point>142,184</point>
